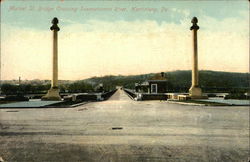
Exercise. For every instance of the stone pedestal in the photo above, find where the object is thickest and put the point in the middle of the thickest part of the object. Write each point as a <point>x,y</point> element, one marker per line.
<point>195,91</point>
<point>53,93</point>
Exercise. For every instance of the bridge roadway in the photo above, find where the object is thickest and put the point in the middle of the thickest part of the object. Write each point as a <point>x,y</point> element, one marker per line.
<point>121,129</point>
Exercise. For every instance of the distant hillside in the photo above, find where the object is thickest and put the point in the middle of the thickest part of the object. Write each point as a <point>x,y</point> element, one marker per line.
<point>181,80</point>
<point>177,81</point>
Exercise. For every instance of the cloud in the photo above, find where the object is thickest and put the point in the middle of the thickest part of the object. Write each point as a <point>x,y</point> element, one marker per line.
<point>98,48</point>
<point>230,25</point>
<point>183,12</point>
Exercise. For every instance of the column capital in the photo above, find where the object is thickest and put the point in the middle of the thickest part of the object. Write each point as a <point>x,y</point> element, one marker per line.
<point>194,26</point>
<point>54,26</point>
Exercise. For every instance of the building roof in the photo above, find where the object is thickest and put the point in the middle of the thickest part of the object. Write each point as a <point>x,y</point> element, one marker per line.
<point>156,81</point>
<point>157,77</point>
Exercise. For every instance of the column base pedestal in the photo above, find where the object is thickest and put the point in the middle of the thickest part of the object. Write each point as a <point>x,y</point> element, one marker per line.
<point>52,95</point>
<point>195,92</point>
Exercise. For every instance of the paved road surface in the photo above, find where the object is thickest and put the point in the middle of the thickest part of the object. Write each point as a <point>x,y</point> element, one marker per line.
<point>121,129</point>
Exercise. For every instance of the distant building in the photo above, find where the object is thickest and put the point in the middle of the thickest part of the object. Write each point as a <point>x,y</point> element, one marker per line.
<point>156,84</point>
<point>99,88</point>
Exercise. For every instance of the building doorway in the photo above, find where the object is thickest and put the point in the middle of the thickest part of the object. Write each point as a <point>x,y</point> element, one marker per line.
<point>153,88</point>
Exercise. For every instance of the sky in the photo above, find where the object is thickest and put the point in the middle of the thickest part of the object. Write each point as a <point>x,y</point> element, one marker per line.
<point>110,37</point>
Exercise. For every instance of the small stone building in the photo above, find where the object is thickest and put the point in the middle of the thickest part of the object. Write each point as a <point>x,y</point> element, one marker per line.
<point>156,84</point>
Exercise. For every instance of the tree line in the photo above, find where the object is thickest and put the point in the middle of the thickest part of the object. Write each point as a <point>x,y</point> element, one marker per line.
<point>180,81</point>
<point>177,81</point>
<point>76,87</point>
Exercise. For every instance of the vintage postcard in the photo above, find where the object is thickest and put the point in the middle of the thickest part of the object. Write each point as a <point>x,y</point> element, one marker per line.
<point>124,80</point>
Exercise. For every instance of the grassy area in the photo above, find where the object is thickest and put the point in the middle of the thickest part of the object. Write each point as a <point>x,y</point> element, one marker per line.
<point>203,102</point>
<point>6,102</point>
<point>66,104</point>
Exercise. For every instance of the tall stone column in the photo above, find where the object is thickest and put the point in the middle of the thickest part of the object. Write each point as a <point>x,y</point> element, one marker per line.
<point>53,93</point>
<point>195,91</point>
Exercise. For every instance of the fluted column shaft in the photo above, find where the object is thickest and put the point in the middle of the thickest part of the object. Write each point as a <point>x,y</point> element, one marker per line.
<point>195,60</point>
<point>54,83</point>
